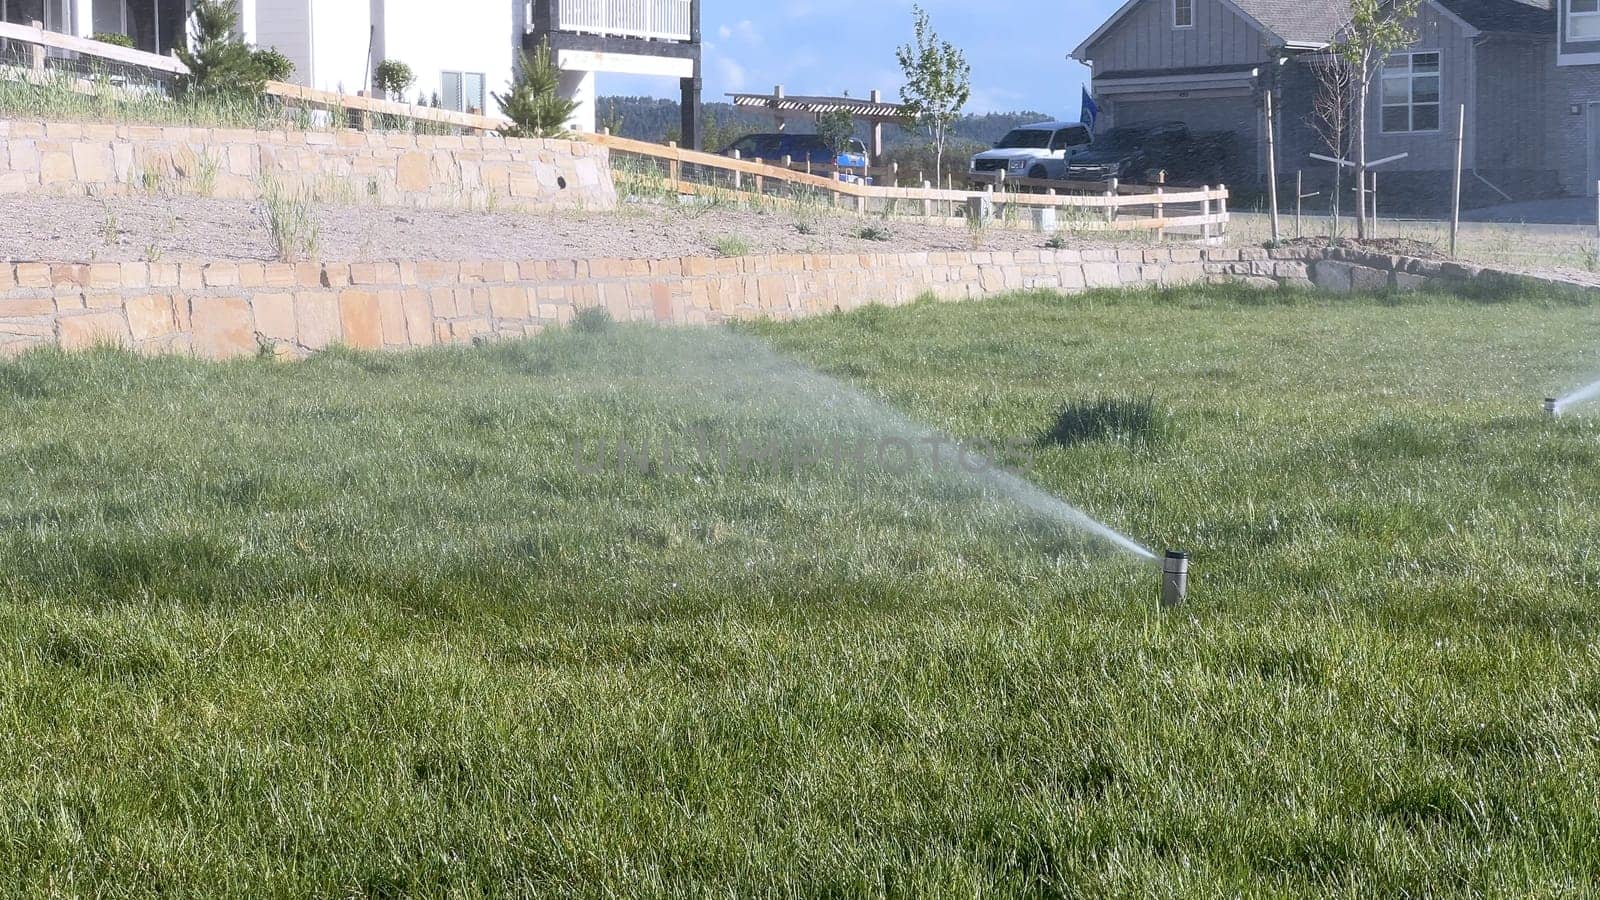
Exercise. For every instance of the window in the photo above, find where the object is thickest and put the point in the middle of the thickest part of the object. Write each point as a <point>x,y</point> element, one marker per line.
<point>1067,138</point>
<point>1024,139</point>
<point>1583,20</point>
<point>1182,13</point>
<point>1411,93</point>
<point>462,91</point>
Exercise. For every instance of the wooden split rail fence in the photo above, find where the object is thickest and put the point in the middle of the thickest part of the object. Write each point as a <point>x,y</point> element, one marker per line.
<point>1158,209</point>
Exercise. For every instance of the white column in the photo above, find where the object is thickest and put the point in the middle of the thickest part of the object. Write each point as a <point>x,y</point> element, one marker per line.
<point>83,17</point>
<point>579,87</point>
<point>247,21</point>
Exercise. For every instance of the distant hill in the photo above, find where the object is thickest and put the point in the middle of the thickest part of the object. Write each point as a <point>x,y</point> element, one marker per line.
<point>651,119</point>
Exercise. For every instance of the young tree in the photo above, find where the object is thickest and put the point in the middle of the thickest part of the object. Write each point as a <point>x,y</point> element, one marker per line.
<point>219,62</point>
<point>535,105</point>
<point>836,129</point>
<point>1377,28</point>
<point>1331,117</point>
<point>938,82</point>
<point>393,78</point>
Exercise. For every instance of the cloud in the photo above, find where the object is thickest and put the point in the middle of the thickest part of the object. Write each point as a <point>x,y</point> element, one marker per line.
<point>746,31</point>
<point>992,99</point>
<point>732,74</point>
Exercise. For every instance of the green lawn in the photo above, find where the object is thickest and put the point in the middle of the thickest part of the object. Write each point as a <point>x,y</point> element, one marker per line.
<point>363,626</point>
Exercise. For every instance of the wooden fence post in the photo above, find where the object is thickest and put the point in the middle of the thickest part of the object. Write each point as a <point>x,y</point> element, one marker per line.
<point>1299,202</point>
<point>1272,169</point>
<point>1455,186</point>
<point>1374,205</point>
<point>1111,208</point>
<point>761,180</point>
<point>674,168</point>
<point>1205,213</point>
<point>1222,210</point>
<point>1161,207</point>
<point>738,177</point>
<point>36,52</point>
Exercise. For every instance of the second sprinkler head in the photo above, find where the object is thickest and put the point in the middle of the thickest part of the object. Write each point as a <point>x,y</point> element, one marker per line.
<point>1174,579</point>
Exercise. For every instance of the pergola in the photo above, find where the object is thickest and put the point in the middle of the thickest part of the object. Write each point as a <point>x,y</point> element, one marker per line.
<point>782,106</point>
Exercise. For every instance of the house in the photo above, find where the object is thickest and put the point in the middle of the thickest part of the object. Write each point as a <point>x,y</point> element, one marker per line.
<point>659,38</point>
<point>1527,73</point>
<point>462,52</point>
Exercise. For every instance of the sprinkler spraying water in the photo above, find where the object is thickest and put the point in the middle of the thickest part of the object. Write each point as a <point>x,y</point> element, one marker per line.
<point>1552,407</point>
<point>757,380</point>
<point>1584,394</point>
<point>1174,579</point>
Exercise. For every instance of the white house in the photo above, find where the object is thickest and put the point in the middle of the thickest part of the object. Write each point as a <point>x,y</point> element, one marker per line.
<point>462,52</point>
<point>460,57</point>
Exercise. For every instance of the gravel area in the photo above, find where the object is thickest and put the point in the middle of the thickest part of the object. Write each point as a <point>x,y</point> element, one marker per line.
<point>125,229</point>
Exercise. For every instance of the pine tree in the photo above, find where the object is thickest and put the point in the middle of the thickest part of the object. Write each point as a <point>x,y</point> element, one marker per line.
<point>535,105</point>
<point>219,62</point>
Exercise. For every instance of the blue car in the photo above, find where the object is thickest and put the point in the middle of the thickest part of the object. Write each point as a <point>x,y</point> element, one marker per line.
<point>774,147</point>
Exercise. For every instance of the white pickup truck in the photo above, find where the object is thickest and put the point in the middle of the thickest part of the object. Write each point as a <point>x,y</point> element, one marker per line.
<point>1034,151</point>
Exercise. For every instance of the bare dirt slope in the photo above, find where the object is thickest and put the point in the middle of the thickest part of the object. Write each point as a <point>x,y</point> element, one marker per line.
<point>127,229</point>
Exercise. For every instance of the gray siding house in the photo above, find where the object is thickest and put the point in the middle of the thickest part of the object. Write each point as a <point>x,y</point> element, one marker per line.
<point>1527,71</point>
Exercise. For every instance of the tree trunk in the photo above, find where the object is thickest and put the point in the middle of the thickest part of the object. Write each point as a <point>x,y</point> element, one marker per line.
<point>1361,155</point>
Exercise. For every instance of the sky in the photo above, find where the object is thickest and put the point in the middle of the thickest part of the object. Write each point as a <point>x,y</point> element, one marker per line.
<point>1017,48</point>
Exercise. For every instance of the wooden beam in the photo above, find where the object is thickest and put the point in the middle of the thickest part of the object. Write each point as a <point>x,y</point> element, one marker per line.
<point>41,37</point>
<point>371,105</point>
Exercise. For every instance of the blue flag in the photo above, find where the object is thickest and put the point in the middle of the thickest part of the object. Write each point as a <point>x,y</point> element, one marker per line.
<point>1091,110</point>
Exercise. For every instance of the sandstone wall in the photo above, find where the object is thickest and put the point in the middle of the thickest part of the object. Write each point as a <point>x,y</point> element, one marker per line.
<point>227,309</point>
<point>341,166</point>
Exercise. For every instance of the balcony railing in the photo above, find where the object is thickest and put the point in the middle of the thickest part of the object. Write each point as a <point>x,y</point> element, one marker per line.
<point>657,20</point>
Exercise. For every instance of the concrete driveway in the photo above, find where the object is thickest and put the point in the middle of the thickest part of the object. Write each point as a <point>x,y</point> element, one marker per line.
<point>1560,211</point>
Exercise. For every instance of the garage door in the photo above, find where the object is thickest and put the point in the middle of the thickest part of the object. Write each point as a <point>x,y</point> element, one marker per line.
<point>1235,114</point>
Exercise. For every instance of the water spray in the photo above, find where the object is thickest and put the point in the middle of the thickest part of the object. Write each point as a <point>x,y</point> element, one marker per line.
<point>1174,579</point>
<point>1552,407</point>
<point>1584,394</point>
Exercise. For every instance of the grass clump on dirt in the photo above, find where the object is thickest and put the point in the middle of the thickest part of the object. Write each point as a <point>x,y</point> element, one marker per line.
<point>420,624</point>
<point>731,245</point>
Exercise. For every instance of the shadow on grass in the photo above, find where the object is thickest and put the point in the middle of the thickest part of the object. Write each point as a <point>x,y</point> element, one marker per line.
<point>1134,422</point>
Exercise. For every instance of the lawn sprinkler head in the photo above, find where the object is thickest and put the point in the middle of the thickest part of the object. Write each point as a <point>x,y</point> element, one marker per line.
<point>1174,579</point>
<point>1552,407</point>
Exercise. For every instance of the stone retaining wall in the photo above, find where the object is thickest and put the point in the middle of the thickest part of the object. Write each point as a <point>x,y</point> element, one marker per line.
<point>340,166</point>
<point>1347,270</point>
<point>227,309</point>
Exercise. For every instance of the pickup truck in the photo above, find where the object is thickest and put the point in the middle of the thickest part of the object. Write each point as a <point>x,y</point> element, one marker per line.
<point>1134,154</point>
<point>1034,151</point>
<point>798,147</point>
